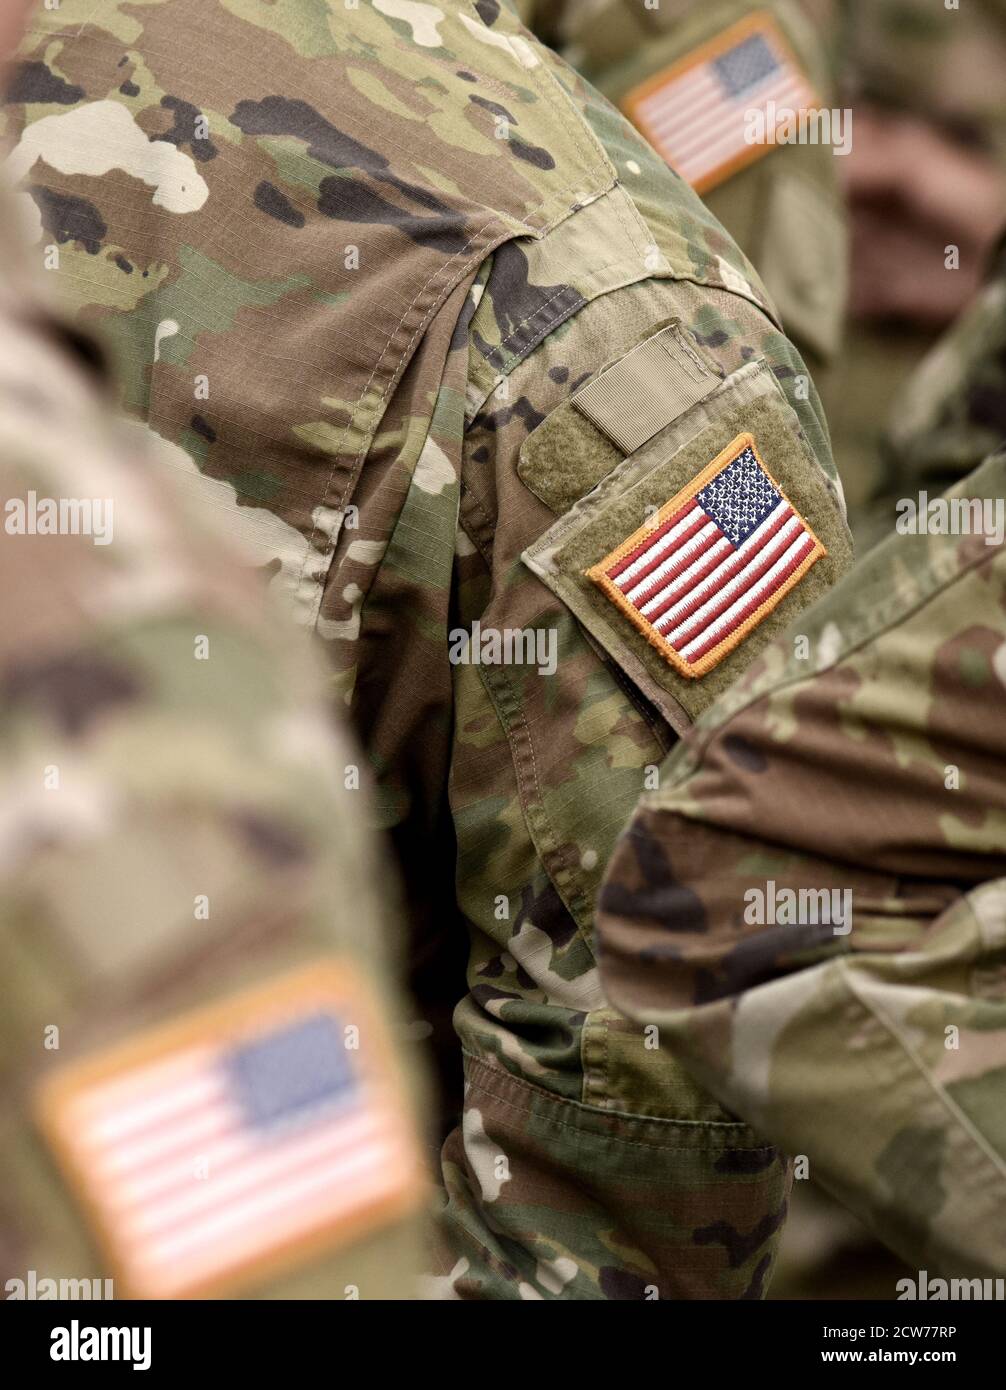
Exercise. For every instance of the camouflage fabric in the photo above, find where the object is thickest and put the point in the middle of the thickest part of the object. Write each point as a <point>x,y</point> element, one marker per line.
<point>784,210</point>
<point>162,746</point>
<point>854,780</point>
<point>349,272</point>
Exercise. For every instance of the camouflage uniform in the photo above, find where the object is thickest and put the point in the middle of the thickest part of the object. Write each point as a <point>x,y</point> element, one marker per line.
<point>136,782</point>
<point>357,273</point>
<point>865,752</point>
<point>784,210</point>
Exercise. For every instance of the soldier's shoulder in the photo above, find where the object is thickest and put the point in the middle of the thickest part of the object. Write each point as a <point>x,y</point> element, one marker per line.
<point>683,238</point>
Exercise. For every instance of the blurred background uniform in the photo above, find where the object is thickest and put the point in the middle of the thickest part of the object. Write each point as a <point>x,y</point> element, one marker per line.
<point>683,71</point>
<point>951,413</point>
<point>201,1092</point>
<point>927,172</point>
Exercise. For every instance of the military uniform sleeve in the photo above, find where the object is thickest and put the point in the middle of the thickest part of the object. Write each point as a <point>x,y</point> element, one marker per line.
<point>587,1163</point>
<point>196,981</point>
<point>809,909</point>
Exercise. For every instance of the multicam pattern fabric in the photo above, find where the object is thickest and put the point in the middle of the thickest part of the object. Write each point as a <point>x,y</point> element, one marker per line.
<point>149,865</point>
<point>860,765</point>
<point>420,233</point>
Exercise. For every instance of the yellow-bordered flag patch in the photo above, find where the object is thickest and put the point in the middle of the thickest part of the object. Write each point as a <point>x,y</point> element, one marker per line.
<point>240,1139</point>
<point>696,113</point>
<point>712,563</point>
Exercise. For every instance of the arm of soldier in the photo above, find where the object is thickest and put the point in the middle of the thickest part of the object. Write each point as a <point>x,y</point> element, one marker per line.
<point>184,884</point>
<point>587,1164</point>
<point>808,909</point>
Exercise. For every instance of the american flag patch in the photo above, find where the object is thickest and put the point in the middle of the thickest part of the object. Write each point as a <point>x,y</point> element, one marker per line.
<point>243,1139</point>
<point>695,112</point>
<point>712,563</point>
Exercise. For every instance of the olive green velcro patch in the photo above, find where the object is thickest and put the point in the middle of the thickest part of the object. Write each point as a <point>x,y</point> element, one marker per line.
<point>749,405</point>
<point>629,401</point>
<point>565,457</point>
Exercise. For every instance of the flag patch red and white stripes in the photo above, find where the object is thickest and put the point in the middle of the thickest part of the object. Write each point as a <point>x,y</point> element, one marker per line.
<point>695,113</point>
<point>243,1138</point>
<point>712,563</point>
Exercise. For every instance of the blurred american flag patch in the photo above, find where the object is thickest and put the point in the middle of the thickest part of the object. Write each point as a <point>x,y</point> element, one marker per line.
<point>695,112</point>
<point>245,1138</point>
<point>712,563</point>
